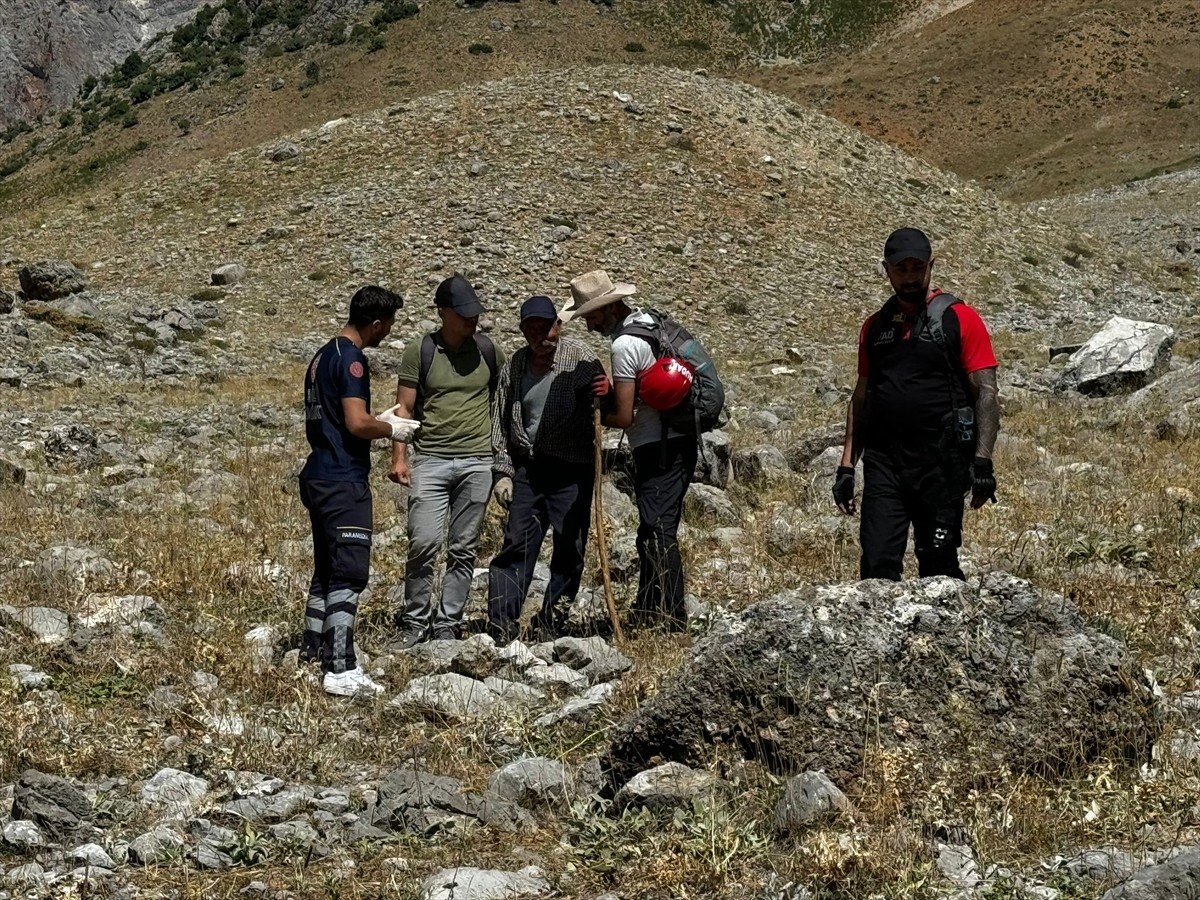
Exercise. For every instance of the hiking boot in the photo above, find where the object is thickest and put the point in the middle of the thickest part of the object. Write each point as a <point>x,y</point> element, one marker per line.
<point>352,683</point>
<point>410,639</point>
<point>445,633</point>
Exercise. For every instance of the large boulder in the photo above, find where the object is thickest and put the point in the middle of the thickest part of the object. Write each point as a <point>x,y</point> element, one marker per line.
<point>51,279</point>
<point>1121,358</point>
<point>1176,879</point>
<point>468,883</point>
<point>946,678</point>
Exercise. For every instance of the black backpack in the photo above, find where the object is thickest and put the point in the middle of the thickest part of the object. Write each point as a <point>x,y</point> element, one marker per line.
<point>704,409</point>
<point>428,349</point>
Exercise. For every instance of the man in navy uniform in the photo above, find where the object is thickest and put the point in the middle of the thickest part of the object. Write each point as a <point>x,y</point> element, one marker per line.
<point>334,488</point>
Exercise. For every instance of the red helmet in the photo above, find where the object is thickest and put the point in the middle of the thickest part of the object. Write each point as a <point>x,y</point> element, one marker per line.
<point>664,385</point>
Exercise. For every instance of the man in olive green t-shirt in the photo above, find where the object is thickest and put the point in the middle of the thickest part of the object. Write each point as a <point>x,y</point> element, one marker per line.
<point>450,474</point>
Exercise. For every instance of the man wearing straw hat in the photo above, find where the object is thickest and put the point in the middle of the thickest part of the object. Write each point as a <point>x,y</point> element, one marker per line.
<point>664,460</point>
<point>542,446</point>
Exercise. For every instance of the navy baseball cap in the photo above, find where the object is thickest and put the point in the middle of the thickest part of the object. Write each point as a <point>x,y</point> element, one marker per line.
<point>457,294</point>
<point>906,243</point>
<point>539,307</point>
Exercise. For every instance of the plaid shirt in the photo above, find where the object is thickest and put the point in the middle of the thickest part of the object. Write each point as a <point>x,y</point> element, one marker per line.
<point>565,433</point>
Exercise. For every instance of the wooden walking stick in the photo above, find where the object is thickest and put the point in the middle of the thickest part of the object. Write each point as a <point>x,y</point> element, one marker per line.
<point>601,536</point>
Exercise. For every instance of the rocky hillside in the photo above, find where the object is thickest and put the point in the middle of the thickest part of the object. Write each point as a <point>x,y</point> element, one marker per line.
<point>1031,99</point>
<point>1030,734</point>
<point>47,50</point>
<point>1091,94</point>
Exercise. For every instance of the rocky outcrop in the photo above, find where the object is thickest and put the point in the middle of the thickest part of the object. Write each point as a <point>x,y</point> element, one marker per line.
<point>47,50</point>
<point>929,669</point>
<point>1124,356</point>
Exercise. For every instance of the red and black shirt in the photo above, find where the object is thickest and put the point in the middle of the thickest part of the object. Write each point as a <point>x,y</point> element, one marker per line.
<point>911,380</point>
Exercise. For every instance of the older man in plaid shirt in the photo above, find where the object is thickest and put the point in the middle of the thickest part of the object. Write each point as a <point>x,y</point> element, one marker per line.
<point>542,446</point>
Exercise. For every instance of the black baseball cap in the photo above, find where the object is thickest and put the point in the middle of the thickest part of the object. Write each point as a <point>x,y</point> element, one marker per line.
<point>457,294</point>
<point>906,243</point>
<point>538,307</point>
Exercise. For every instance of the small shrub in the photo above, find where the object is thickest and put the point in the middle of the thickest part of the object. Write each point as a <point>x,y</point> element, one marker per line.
<point>66,119</point>
<point>142,91</point>
<point>312,74</point>
<point>318,275</point>
<point>378,42</point>
<point>133,66</point>
<point>207,295</point>
<point>634,47</point>
<point>737,307</point>
<point>695,44</point>
<point>90,122</point>
<point>272,50</point>
<point>1031,260</point>
<point>394,11</point>
<point>89,85</point>
<point>479,47</point>
<point>295,43</point>
<point>129,120</point>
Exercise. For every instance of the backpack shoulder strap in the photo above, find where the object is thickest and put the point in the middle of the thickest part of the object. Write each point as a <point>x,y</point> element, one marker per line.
<point>428,349</point>
<point>936,312</point>
<point>487,349</point>
<point>651,332</point>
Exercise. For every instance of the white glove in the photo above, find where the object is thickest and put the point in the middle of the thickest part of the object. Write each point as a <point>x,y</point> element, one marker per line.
<point>403,430</point>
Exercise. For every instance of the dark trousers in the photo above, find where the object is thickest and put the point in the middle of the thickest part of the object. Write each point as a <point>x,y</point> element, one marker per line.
<point>902,488</point>
<point>547,494</point>
<point>341,516</point>
<point>662,474</point>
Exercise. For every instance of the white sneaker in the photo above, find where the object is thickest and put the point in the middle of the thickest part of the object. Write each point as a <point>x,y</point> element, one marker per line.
<point>353,683</point>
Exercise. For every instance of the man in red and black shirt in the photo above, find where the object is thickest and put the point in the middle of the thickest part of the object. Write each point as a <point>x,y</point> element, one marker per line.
<point>924,418</point>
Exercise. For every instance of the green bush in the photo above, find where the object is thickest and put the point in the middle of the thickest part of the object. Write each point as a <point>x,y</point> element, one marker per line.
<point>142,91</point>
<point>117,110</point>
<point>634,47</point>
<point>335,35</point>
<point>293,14</point>
<point>378,42</point>
<point>89,85</point>
<point>394,11</point>
<point>184,125</point>
<point>272,50</point>
<point>479,47</point>
<point>129,120</point>
<point>15,130</point>
<point>312,73</point>
<point>295,43</point>
<point>66,119</point>
<point>133,66</point>
<point>90,122</point>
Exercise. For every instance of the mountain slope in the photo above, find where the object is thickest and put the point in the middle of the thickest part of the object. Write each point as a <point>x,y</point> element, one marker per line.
<point>48,49</point>
<point>1032,99</point>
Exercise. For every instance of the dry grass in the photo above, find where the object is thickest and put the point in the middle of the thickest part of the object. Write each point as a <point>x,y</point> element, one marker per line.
<point>1115,541</point>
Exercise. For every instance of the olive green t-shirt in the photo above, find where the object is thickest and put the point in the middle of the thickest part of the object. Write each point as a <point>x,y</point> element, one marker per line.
<point>457,420</point>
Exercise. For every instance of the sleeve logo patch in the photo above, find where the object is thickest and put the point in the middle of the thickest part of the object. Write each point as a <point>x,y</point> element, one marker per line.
<point>356,369</point>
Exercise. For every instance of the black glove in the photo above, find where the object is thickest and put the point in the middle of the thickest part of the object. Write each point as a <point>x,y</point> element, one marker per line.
<point>843,489</point>
<point>983,486</point>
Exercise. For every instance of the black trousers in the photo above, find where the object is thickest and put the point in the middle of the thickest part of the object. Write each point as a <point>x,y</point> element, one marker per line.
<point>341,517</point>
<point>909,487</point>
<point>662,475</point>
<point>547,494</point>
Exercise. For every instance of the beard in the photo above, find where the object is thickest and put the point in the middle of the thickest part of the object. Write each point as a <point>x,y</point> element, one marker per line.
<point>911,293</point>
